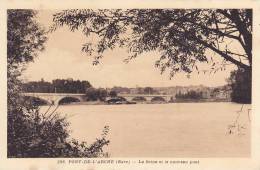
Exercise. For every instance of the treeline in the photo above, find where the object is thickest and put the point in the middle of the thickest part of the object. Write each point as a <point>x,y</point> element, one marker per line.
<point>189,95</point>
<point>77,86</point>
<point>57,86</point>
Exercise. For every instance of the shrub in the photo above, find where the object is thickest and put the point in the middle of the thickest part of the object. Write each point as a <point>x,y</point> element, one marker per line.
<point>46,134</point>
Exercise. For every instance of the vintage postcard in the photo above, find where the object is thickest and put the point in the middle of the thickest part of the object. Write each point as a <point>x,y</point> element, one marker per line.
<point>130,85</point>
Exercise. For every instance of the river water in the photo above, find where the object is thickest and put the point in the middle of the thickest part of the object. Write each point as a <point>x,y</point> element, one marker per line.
<point>164,130</point>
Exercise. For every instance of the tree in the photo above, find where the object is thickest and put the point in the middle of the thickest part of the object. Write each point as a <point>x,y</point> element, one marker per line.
<point>93,94</point>
<point>57,86</point>
<point>102,94</point>
<point>112,93</point>
<point>182,36</point>
<point>191,94</point>
<point>29,132</point>
<point>241,89</point>
<point>24,40</point>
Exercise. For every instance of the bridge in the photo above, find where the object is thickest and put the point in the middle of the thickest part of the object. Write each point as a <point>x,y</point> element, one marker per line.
<point>56,98</point>
<point>148,97</point>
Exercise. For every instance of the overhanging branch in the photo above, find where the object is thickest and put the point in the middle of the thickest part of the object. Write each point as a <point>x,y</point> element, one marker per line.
<point>221,53</point>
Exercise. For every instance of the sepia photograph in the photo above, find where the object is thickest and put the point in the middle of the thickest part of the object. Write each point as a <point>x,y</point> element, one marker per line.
<point>108,83</point>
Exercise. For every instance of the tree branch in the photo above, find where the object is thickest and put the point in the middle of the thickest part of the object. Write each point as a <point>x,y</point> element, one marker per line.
<point>242,28</point>
<point>221,53</point>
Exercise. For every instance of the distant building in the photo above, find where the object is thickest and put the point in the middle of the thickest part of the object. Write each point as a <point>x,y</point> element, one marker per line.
<point>133,91</point>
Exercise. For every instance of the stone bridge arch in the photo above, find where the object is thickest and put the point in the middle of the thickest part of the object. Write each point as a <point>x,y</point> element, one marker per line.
<point>158,99</point>
<point>139,99</point>
<point>69,99</point>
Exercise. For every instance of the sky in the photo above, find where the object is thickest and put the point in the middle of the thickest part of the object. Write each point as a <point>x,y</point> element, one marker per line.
<point>63,58</point>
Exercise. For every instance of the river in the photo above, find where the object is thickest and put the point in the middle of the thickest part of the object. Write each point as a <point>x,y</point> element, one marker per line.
<point>163,130</point>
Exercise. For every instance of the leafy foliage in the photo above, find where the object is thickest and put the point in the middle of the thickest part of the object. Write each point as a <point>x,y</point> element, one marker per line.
<point>30,132</point>
<point>25,37</point>
<point>182,36</point>
<point>46,135</point>
<point>93,94</point>
<point>35,101</point>
<point>189,95</point>
<point>241,83</point>
<point>113,93</point>
<point>57,86</point>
